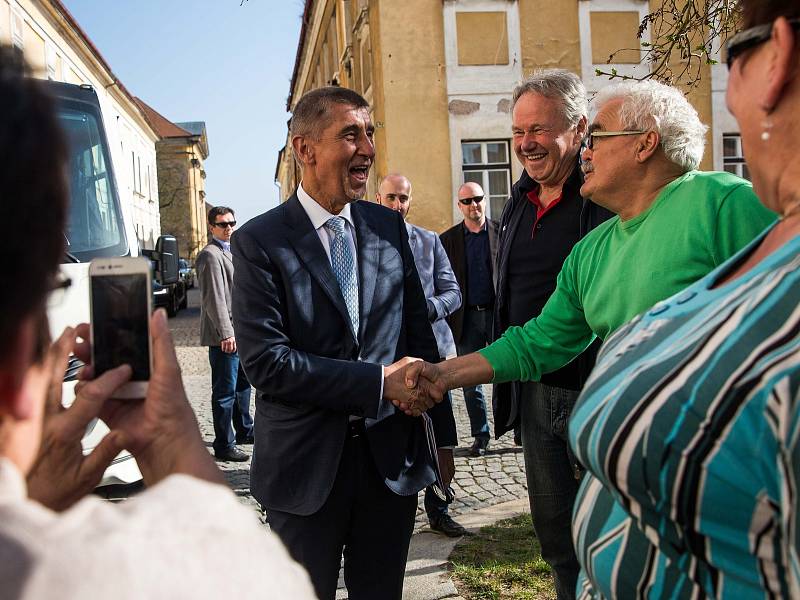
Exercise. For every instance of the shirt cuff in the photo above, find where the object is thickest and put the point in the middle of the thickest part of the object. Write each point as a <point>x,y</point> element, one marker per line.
<point>380,398</point>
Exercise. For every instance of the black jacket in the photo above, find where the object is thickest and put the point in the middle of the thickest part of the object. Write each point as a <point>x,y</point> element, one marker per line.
<point>455,247</point>
<point>505,397</point>
<point>310,369</point>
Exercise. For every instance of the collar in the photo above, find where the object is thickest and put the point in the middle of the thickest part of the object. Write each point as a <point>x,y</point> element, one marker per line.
<point>318,215</point>
<point>541,210</point>
<point>483,229</point>
<point>226,246</point>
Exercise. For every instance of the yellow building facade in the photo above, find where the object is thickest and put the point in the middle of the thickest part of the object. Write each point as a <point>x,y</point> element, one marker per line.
<point>439,76</point>
<point>180,156</point>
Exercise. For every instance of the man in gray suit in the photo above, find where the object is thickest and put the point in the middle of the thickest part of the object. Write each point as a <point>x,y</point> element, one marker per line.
<point>443,297</point>
<point>230,389</point>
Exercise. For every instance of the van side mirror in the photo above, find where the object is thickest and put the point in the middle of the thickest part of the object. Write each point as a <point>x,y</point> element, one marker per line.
<point>166,257</point>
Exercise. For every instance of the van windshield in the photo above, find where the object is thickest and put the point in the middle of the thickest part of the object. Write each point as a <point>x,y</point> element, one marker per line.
<point>95,227</point>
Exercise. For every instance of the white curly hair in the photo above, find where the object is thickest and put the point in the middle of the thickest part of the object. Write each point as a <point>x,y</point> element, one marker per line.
<point>650,105</point>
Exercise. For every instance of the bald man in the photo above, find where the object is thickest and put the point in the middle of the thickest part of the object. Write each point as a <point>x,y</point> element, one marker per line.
<point>443,297</point>
<point>471,247</point>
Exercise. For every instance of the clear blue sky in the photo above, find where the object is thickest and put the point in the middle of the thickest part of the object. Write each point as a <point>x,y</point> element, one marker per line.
<point>212,61</point>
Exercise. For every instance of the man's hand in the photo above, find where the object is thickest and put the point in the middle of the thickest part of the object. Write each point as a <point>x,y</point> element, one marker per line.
<point>424,385</point>
<point>161,430</point>
<point>228,345</point>
<point>62,475</point>
<point>413,400</point>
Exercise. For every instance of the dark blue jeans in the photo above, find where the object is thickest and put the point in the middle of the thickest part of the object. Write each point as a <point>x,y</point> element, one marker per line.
<point>475,335</point>
<point>552,478</point>
<point>230,399</point>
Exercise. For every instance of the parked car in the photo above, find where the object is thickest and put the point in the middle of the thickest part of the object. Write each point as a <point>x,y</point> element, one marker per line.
<point>186,272</point>
<point>173,297</point>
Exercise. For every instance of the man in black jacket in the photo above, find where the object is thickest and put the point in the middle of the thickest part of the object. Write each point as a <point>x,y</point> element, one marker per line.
<point>471,247</point>
<point>544,218</point>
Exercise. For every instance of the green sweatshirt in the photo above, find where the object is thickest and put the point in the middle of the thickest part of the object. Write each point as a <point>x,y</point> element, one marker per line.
<point>622,268</point>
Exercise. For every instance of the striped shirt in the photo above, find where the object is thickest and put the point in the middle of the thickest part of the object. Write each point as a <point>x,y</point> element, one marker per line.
<point>689,429</point>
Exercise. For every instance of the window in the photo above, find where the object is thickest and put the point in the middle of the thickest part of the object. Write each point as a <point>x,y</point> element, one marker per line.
<point>52,62</point>
<point>732,156</point>
<point>487,163</point>
<point>17,29</point>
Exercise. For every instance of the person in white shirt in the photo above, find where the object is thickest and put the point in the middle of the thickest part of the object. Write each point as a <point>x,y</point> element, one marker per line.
<point>164,543</point>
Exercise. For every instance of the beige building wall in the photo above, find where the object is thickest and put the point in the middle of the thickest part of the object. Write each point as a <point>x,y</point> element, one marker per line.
<point>181,188</point>
<point>550,36</point>
<point>415,119</point>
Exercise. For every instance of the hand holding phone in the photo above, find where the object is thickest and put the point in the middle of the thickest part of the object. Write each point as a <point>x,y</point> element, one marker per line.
<point>121,303</point>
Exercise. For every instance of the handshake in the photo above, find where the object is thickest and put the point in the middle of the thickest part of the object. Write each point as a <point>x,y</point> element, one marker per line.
<point>413,385</point>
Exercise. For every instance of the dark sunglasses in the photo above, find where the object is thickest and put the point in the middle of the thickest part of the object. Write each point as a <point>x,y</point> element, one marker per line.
<point>224,224</point>
<point>468,201</point>
<point>750,38</point>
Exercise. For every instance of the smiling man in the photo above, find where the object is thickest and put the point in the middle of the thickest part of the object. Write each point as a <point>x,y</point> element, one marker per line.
<point>325,298</point>
<point>674,225</point>
<point>545,217</point>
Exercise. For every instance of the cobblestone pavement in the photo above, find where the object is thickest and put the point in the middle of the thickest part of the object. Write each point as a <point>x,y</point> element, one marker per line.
<point>479,482</point>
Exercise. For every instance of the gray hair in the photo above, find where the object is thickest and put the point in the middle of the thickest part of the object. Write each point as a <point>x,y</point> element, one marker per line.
<point>311,114</point>
<point>650,105</point>
<point>560,85</point>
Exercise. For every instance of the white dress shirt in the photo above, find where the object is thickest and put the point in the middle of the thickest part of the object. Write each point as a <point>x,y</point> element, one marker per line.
<point>319,216</point>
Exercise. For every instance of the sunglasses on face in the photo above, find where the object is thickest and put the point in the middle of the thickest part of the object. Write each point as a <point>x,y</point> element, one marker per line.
<point>750,38</point>
<point>468,201</point>
<point>224,224</point>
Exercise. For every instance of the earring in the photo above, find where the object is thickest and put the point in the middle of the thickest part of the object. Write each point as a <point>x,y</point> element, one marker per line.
<point>767,125</point>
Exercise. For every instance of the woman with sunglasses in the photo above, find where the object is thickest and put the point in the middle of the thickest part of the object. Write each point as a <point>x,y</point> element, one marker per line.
<point>690,424</point>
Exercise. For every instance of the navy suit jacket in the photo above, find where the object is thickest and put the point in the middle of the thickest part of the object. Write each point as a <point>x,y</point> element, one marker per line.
<point>310,369</point>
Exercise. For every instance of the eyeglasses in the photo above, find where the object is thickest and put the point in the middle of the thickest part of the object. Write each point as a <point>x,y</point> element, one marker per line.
<point>224,224</point>
<point>750,38</point>
<point>599,134</point>
<point>468,201</point>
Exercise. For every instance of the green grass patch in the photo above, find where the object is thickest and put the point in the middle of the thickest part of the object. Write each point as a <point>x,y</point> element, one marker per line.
<point>502,562</point>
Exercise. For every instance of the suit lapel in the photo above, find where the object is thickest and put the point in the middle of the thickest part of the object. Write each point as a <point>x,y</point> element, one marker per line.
<point>305,241</point>
<point>367,242</point>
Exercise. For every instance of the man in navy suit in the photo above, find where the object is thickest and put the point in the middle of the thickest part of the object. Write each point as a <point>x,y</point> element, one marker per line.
<point>326,300</point>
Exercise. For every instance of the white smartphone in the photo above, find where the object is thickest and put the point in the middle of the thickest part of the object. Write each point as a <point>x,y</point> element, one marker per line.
<point>121,300</point>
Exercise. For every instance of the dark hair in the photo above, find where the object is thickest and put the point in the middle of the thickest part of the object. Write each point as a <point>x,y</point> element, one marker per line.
<point>33,160</point>
<point>760,12</point>
<point>312,112</point>
<point>218,211</point>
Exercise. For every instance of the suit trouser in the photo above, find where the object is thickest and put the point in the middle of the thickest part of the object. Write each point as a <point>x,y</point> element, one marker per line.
<point>230,399</point>
<point>361,519</point>
<point>551,475</point>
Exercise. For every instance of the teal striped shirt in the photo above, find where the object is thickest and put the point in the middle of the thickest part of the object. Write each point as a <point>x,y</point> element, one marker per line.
<point>689,430</point>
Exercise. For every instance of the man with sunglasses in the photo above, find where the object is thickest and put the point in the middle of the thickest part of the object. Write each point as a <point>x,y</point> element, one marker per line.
<point>471,247</point>
<point>230,389</point>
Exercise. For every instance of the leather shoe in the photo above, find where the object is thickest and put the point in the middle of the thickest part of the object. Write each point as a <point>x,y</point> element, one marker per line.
<point>446,525</point>
<point>246,441</point>
<point>231,455</point>
<point>479,446</point>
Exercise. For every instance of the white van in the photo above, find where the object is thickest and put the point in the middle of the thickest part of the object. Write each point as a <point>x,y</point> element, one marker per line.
<point>97,226</point>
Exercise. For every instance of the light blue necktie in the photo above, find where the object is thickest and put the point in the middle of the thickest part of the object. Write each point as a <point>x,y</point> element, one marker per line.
<point>344,267</point>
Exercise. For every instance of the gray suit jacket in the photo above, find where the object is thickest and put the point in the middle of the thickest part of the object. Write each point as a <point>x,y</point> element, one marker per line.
<point>438,282</point>
<point>215,275</point>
